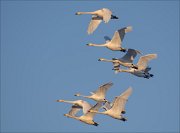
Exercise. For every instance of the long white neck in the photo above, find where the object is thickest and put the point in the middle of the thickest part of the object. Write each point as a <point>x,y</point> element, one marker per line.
<point>123,70</point>
<point>65,101</point>
<point>105,60</point>
<point>79,95</point>
<point>97,45</point>
<point>79,13</point>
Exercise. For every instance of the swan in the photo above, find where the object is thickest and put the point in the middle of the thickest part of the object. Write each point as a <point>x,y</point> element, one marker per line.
<point>126,60</point>
<point>86,117</point>
<point>99,94</point>
<point>115,111</point>
<point>78,103</point>
<point>97,17</point>
<point>143,69</point>
<point>116,42</point>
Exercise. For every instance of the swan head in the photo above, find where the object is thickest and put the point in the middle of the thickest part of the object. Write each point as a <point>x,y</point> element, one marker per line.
<point>104,100</point>
<point>77,13</point>
<point>89,44</point>
<point>59,100</point>
<point>92,111</point>
<point>78,94</point>
<point>101,59</point>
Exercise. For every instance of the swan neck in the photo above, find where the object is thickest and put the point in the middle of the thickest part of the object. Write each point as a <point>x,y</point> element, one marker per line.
<point>71,102</point>
<point>123,70</point>
<point>99,45</point>
<point>86,13</point>
<point>106,60</point>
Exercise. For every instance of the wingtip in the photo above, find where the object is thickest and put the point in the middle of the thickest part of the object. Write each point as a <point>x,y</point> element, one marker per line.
<point>128,29</point>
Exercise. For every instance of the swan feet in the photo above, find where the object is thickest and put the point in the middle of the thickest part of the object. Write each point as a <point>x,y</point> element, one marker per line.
<point>123,50</point>
<point>95,124</point>
<point>124,119</point>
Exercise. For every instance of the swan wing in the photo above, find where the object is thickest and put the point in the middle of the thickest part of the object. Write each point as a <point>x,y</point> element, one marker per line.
<point>86,107</point>
<point>143,61</point>
<point>95,21</point>
<point>96,107</point>
<point>116,41</point>
<point>74,110</point>
<point>130,55</point>
<point>119,36</point>
<point>117,106</point>
<point>125,95</point>
<point>103,89</point>
<point>106,13</point>
<point>120,101</point>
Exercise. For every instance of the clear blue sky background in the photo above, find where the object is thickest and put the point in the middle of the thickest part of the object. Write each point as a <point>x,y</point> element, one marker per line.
<point>44,58</point>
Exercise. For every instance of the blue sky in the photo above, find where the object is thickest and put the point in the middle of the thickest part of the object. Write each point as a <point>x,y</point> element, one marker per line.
<point>44,58</point>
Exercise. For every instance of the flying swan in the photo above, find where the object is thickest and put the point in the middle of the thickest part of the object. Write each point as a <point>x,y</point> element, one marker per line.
<point>99,94</point>
<point>126,60</point>
<point>86,117</point>
<point>97,17</point>
<point>143,69</point>
<point>116,42</point>
<point>85,106</point>
<point>115,111</point>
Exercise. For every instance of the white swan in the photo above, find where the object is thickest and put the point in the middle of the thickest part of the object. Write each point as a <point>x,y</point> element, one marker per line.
<point>126,60</point>
<point>99,15</point>
<point>115,111</point>
<point>116,42</point>
<point>79,103</point>
<point>143,69</point>
<point>86,117</point>
<point>99,94</point>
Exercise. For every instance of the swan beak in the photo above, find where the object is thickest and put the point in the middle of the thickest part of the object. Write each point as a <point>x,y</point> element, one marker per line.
<point>59,100</point>
<point>76,13</point>
<point>88,44</point>
<point>99,59</point>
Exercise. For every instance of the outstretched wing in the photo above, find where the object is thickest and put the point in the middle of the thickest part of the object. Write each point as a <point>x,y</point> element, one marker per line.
<point>119,35</point>
<point>103,88</point>
<point>96,107</point>
<point>143,61</point>
<point>123,31</point>
<point>74,110</point>
<point>130,55</point>
<point>116,41</point>
<point>86,107</point>
<point>120,101</point>
<point>95,21</point>
<point>106,13</point>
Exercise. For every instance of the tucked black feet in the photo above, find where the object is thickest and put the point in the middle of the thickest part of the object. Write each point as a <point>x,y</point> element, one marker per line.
<point>123,119</point>
<point>135,67</point>
<point>123,50</point>
<point>95,124</point>
<point>123,112</point>
<point>151,75</point>
<point>114,17</point>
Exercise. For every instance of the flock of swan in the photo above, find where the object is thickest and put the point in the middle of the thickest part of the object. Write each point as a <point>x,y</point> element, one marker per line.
<point>116,108</point>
